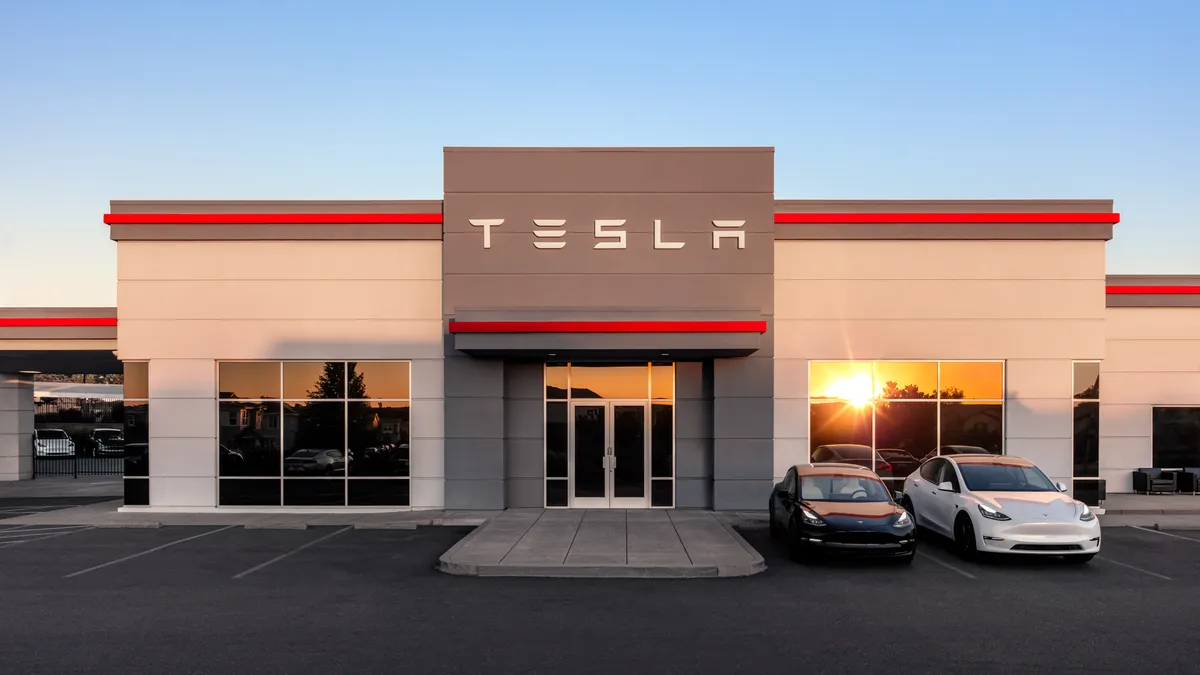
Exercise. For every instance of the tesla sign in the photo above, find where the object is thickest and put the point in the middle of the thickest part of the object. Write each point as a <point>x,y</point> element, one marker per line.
<point>550,233</point>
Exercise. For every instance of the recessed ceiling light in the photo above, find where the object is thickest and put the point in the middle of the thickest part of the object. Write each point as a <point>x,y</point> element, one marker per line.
<point>30,372</point>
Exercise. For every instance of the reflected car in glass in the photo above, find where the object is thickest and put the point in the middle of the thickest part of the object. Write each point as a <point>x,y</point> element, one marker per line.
<point>957,450</point>
<point>107,442</point>
<point>52,443</point>
<point>902,462</point>
<point>995,504</point>
<point>315,462</point>
<point>852,453</point>
<point>839,509</point>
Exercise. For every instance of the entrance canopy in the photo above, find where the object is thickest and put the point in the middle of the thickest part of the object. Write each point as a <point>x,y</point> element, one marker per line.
<point>59,340</point>
<point>613,335</point>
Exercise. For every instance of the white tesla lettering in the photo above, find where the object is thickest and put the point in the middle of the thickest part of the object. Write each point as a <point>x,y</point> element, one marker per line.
<point>555,233</point>
<point>658,242</point>
<point>718,235</point>
<point>602,232</point>
<point>551,233</point>
<point>487,224</point>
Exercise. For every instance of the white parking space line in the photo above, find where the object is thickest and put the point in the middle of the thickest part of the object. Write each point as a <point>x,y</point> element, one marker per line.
<point>147,552</point>
<point>35,537</point>
<point>294,551</point>
<point>8,534</point>
<point>1165,534</point>
<point>1136,569</point>
<point>947,565</point>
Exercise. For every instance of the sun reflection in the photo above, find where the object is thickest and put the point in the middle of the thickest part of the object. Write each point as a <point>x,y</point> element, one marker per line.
<point>856,389</point>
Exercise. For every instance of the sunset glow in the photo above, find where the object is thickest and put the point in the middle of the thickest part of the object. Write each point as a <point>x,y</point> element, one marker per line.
<point>856,389</point>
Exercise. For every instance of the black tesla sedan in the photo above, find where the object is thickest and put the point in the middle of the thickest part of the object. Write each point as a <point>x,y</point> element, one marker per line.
<point>840,509</point>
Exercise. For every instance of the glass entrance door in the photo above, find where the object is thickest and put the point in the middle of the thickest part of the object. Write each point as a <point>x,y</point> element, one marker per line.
<point>608,454</point>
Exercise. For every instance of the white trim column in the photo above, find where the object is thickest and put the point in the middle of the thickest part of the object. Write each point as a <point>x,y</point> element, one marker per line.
<point>16,426</point>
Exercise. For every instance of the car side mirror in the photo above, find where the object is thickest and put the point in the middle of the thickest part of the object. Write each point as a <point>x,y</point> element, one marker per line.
<point>898,495</point>
<point>946,486</point>
<point>1062,487</point>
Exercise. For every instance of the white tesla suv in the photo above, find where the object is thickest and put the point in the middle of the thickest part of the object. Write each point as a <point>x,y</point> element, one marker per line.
<point>1000,504</point>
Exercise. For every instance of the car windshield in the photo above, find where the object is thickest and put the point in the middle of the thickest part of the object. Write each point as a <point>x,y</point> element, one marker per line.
<point>1005,478</point>
<point>52,433</point>
<point>107,433</point>
<point>832,488</point>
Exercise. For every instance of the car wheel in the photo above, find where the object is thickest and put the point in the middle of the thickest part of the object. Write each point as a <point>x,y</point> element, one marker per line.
<point>1081,559</point>
<point>795,543</point>
<point>964,537</point>
<point>906,559</point>
<point>771,526</point>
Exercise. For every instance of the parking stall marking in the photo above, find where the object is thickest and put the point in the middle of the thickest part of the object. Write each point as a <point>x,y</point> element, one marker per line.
<point>947,565</point>
<point>147,552</point>
<point>292,552</point>
<point>9,539</point>
<point>1136,569</point>
<point>1165,534</point>
<point>33,530</point>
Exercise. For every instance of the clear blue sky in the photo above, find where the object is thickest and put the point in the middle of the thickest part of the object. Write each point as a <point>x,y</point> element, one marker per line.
<point>345,99</point>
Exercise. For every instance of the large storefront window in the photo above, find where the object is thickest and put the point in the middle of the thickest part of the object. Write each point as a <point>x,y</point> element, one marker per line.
<point>610,435</point>
<point>1176,443</point>
<point>889,416</point>
<point>307,433</point>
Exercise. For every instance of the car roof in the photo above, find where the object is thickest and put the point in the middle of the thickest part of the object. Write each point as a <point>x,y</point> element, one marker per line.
<point>845,445</point>
<point>996,460</point>
<point>833,469</point>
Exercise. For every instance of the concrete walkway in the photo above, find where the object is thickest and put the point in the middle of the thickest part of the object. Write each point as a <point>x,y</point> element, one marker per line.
<point>602,543</point>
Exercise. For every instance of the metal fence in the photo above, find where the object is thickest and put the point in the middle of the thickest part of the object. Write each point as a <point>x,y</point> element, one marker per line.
<point>78,437</point>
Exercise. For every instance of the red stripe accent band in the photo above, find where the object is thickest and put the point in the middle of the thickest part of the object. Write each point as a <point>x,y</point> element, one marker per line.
<point>860,218</point>
<point>270,218</point>
<point>608,326</point>
<point>1153,290</point>
<point>64,322</point>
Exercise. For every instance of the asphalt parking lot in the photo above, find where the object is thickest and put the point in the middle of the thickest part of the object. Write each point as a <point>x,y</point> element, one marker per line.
<point>229,599</point>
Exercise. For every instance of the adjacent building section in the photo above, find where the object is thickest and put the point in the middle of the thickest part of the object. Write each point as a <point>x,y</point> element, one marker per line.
<point>1150,377</point>
<point>274,334</point>
<point>909,326</point>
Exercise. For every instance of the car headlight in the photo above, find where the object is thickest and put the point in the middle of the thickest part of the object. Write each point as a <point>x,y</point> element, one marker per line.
<point>1087,514</point>
<point>811,518</point>
<point>992,514</point>
<point>903,521</point>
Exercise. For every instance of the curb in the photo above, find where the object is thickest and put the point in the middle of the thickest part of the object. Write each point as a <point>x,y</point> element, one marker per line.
<point>277,526</point>
<point>756,564</point>
<point>385,526</point>
<point>152,525</point>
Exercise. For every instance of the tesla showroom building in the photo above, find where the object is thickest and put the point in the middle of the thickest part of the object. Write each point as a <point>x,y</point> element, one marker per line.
<point>615,327</point>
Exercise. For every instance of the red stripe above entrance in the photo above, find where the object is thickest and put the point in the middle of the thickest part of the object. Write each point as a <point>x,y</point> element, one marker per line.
<point>1153,290</point>
<point>861,218</point>
<point>270,218</point>
<point>56,322</point>
<point>608,326</point>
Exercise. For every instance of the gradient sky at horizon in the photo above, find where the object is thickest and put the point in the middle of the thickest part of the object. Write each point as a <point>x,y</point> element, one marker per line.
<point>342,100</point>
